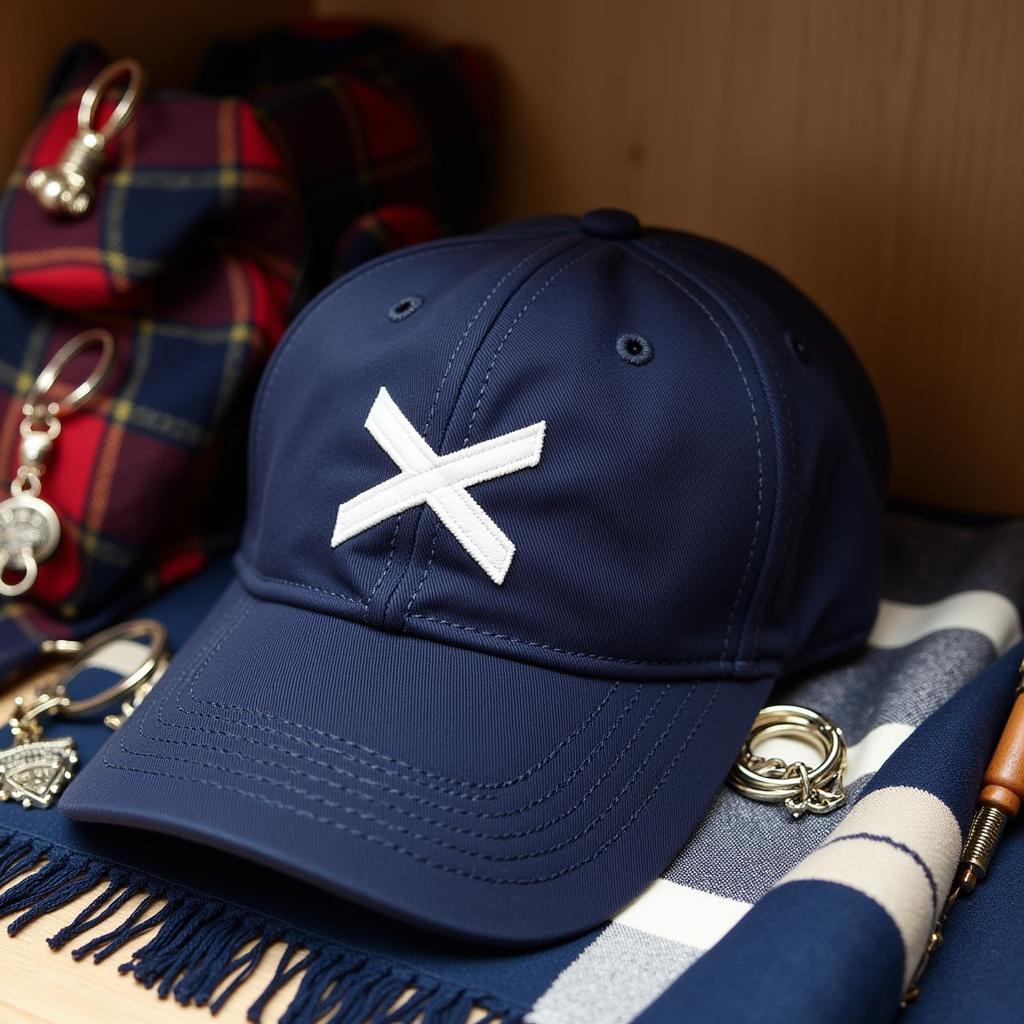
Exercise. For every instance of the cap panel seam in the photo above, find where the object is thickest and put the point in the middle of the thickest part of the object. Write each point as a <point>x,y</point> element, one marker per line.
<point>662,272</point>
<point>476,408</point>
<point>740,308</point>
<point>791,511</point>
<point>473,320</point>
<point>287,346</point>
<point>575,654</point>
<point>540,255</point>
<point>437,395</point>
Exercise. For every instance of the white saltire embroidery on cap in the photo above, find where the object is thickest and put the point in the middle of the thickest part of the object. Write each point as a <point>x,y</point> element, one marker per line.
<point>440,481</point>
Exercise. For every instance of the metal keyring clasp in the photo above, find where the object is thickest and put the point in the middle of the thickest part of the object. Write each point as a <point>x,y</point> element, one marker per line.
<point>38,404</point>
<point>36,768</point>
<point>144,676</point>
<point>801,789</point>
<point>126,105</point>
<point>69,186</point>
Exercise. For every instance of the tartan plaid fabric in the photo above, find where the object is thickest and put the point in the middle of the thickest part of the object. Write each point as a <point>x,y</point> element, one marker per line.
<point>416,124</point>
<point>191,257</point>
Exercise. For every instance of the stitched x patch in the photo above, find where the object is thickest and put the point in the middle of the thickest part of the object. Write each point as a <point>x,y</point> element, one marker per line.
<point>440,481</point>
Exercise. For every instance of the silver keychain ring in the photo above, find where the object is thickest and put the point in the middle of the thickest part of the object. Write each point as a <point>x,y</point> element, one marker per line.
<point>48,375</point>
<point>79,651</point>
<point>126,105</point>
<point>801,788</point>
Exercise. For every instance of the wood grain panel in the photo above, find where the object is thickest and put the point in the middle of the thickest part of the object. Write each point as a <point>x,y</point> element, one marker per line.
<point>871,150</point>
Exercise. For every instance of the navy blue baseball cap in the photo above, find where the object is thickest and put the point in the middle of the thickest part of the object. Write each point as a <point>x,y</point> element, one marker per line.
<point>536,517</point>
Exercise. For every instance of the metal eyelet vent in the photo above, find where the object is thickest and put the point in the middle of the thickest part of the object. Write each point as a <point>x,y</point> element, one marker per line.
<point>798,346</point>
<point>634,349</point>
<point>404,308</point>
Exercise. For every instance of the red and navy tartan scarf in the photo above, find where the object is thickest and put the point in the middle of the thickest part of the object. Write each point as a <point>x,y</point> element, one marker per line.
<point>310,150</point>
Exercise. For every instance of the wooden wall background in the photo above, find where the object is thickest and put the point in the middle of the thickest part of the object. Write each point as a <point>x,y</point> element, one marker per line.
<point>872,150</point>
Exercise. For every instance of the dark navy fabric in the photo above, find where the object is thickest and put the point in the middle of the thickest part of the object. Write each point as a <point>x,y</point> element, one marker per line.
<point>515,762</point>
<point>976,973</point>
<point>804,935</point>
<point>350,799</point>
<point>518,979</point>
<point>768,977</point>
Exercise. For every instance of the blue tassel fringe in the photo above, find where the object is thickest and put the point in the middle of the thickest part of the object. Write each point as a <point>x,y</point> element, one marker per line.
<point>201,952</point>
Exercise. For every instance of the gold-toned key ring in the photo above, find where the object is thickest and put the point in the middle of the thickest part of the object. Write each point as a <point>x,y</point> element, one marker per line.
<point>35,769</point>
<point>82,650</point>
<point>801,789</point>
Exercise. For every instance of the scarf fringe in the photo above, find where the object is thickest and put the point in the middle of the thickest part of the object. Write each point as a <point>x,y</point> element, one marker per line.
<point>201,951</point>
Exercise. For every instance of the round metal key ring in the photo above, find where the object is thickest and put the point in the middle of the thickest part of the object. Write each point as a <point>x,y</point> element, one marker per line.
<point>82,650</point>
<point>36,768</point>
<point>37,401</point>
<point>126,105</point>
<point>68,187</point>
<point>801,789</point>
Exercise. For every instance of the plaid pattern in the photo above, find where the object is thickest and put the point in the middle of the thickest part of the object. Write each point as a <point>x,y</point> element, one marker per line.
<point>415,124</point>
<point>191,257</point>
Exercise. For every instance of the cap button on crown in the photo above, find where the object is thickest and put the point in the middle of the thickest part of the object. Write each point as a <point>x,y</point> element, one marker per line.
<point>610,224</point>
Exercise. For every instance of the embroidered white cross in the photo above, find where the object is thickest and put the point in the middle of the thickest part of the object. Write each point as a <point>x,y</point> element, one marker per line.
<point>440,481</point>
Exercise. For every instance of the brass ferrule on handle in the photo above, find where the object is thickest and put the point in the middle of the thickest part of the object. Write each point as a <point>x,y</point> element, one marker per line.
<point>999,800</point>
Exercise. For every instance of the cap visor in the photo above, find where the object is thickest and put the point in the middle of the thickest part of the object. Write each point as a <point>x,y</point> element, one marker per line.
<point>470,794</point>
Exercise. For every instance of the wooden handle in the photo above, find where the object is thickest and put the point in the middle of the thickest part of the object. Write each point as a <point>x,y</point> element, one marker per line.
<point>1004,777</point>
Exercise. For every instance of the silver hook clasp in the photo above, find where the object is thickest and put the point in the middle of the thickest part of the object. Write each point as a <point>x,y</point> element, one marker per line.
<point>38,403</point>
<point>69,186</point>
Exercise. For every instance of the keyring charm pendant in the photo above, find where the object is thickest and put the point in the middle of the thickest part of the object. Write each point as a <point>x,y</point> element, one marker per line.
<point>35,774</point>
<point>35,770</point>
<point>69,186</point>
<point>29,533</point>
<point>799,788</point>
<point>29,527</point>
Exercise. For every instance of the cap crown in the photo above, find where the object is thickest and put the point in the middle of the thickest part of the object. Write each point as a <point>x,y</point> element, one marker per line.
<point>695,493</point>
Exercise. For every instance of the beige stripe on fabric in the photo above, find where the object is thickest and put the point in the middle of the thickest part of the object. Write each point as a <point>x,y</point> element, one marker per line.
<point>893,834</point>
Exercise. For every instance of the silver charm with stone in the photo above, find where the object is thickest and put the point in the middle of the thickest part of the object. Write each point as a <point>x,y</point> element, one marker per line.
<point>35,773</point>
<point>29,527</point>
<point>29,533</point>
<point>35,770</point>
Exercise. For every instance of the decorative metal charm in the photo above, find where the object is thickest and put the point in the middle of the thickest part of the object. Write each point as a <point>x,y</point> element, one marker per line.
<point>34,771</point>
<point>29,527</point>
<point>69,186</point>
<point>29,532</point>
<point>800,789</point>
<point>34,774</point>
